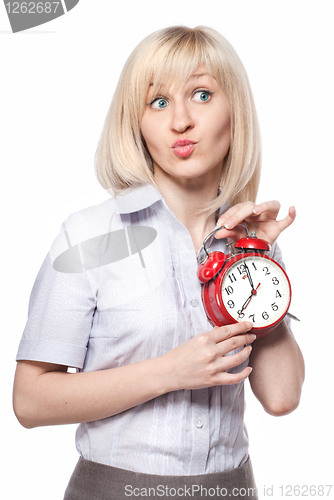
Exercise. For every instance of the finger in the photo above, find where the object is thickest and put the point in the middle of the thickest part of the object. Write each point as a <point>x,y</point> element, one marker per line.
<point>234,378</point>
<point>236,359</point>
<point>229,213</point>
<point>234,234</point>
<point>268,209</point>
<point>226,332</point>
<point>288,220</point>
<point>236,214</point>
<point>272,206</point>
<point>234,343</point>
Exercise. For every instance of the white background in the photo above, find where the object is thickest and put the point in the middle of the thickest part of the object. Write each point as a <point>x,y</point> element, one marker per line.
<point>56,84</point>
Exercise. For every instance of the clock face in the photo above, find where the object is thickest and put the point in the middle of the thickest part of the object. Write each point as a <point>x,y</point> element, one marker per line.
<point>256,289</point>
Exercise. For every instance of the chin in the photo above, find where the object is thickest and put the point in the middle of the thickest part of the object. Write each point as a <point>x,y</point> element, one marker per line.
<point>189,169</point>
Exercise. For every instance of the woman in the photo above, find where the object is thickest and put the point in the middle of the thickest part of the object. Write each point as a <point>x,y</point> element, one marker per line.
<point>158,393</point>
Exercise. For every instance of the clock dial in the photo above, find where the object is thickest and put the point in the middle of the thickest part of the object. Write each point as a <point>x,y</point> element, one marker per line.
<point>256,289</point>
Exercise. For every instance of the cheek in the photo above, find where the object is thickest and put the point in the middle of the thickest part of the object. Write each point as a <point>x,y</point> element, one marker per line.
<point>148,128</point>
<point>219,137</point>
<point>223,128</point>
<point>144,128</point>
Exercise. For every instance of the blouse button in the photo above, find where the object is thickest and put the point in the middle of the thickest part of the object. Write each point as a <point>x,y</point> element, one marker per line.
<point>199,424</point>
<point>194,302</point>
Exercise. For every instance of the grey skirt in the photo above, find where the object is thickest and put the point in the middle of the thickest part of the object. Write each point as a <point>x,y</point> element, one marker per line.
<point>94,481</point>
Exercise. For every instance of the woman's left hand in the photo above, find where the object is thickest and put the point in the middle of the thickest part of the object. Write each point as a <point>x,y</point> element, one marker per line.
<point>260,218</point>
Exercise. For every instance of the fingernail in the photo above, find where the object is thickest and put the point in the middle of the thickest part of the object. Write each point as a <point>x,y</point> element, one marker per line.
<point>254,337</point>
<point>229,224</point>
<point>256,209</point>
<point>250,348</point>
<point>251,369</point>
<point>249,325</point>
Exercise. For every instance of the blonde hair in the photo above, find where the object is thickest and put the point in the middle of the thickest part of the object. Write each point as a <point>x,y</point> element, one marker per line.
<point>122,159</point>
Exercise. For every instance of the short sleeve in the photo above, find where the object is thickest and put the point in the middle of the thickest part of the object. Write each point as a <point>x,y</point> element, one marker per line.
<point>276,254</point>
<point>60,314</point>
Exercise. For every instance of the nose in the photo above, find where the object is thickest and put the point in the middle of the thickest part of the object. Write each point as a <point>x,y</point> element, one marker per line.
<point>182,119</point>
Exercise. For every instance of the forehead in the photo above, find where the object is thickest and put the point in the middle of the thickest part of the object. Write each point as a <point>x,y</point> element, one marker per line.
<point>179,79</point>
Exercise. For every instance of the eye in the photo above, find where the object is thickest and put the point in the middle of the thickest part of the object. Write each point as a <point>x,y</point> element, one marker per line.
<point>202,95</point>
<point>159,103</point>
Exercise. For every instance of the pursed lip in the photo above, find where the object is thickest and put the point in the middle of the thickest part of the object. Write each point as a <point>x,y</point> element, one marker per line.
<point>182,142</point>
<point>183,147</point>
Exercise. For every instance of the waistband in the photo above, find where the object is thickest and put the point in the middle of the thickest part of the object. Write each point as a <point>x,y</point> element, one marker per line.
<point>95,481</point>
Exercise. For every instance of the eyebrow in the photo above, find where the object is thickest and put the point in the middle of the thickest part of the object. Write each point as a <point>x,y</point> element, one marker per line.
<point>199,75</point>
<point>191,76</point>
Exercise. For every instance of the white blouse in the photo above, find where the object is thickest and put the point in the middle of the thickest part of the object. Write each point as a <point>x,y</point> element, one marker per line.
<point>107,297</point>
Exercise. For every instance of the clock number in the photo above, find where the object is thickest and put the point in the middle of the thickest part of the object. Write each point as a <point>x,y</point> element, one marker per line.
<point>254,266</point>
<point>229,290</point>
<point>265,315</point>
<point>275,281</point>
<point>241,314</point>
<point>230,303</point>
<point>241,269</point>
<point>266,269</point>
<point>274,306</point>
<point>253,317</point>
<point>232,277</point>
<point>278,294</point>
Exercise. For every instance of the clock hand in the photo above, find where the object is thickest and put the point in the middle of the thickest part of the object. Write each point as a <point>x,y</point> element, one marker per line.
<point>254,292</point>
<point>245,304</point>
<point>249,276</point>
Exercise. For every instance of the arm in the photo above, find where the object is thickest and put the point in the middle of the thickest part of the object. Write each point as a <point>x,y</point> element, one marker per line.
<point>45,394</point>
<point>278,371</point>
<point>278,365</point>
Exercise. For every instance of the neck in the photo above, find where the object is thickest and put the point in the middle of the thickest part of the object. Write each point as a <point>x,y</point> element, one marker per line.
<point>185,199</point>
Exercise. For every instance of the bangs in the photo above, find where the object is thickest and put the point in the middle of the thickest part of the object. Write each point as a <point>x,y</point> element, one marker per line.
<point>171,56</point>
<point>176,57</point>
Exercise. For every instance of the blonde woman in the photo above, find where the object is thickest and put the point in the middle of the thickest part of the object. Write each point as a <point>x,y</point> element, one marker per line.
<point>158,393</point>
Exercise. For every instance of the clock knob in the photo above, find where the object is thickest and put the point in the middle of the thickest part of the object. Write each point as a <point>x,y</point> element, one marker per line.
<point>211,266</point>
<point>253,243</point>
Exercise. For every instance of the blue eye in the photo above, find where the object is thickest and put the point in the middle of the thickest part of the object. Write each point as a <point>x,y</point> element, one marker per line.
<point>159,103</point>
<point>202,95</point>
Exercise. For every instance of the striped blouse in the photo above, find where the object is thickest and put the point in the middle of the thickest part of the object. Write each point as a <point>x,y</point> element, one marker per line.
<point>119,285</point>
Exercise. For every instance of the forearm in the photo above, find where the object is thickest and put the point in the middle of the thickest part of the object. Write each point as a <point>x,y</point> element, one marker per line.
<point>57,397</point>
<point>45,394</point>
<point>278,371</point>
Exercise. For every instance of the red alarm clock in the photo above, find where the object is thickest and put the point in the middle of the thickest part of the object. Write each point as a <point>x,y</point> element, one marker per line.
<point>244,286</point>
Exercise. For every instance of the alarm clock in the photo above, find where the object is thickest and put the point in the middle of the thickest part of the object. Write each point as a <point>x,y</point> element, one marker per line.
<point>245,285</point>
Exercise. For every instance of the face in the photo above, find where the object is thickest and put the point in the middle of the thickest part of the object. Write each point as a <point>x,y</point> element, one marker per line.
<point>187,129</point>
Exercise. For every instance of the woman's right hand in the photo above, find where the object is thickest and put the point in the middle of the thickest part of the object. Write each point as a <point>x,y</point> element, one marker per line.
<point>46,394</point>
<point>202,361</point>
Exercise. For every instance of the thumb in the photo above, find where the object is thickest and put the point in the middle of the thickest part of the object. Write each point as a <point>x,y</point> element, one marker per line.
<point>288,220</point>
